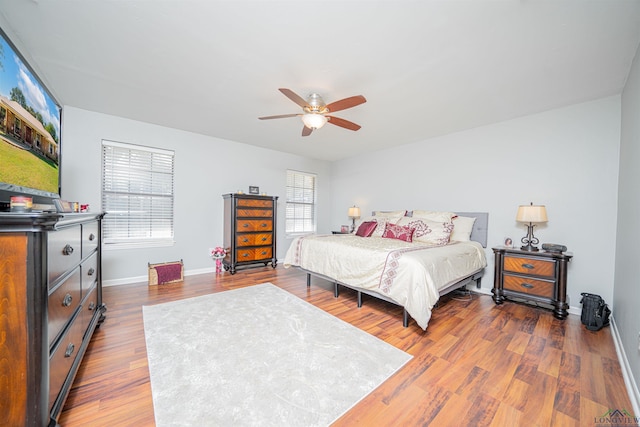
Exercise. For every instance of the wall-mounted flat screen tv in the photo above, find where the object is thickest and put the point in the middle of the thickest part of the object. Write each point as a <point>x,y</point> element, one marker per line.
<point>30,121</point>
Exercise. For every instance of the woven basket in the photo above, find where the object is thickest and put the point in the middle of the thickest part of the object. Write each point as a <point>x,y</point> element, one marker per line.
<point>153,273</point>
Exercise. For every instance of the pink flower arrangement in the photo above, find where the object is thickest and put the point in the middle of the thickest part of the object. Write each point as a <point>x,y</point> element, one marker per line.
<point>217,253</point>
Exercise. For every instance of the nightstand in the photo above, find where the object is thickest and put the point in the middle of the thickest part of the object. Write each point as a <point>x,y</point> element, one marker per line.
<point>532,276</point>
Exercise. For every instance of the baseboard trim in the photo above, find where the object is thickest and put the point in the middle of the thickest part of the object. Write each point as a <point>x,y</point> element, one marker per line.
<point>145,279</point>
<point>627,374</point>
<point>577,311</point>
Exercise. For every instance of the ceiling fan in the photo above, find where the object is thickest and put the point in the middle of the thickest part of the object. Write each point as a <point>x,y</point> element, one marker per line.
<point>316,112</point>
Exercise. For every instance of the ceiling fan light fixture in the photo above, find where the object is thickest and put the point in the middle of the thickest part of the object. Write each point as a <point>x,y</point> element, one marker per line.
<point>314,120</point>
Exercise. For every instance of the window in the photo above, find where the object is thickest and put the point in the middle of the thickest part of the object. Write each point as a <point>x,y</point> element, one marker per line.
<point>137,195</point>
<point>300,214</point>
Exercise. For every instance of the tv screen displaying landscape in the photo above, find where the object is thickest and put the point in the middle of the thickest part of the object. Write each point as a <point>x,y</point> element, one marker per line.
<point>29,127</point>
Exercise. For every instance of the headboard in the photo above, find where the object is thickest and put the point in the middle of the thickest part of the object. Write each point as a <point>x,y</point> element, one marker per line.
<point>480,227</point>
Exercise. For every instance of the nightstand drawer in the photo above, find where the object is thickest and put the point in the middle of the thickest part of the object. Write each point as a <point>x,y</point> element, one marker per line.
<point>529,286</point>
<point>538,267</point>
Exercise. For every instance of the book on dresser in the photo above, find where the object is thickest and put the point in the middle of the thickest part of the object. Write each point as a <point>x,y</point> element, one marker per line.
<point>249,236</point>
<point>51,288</point>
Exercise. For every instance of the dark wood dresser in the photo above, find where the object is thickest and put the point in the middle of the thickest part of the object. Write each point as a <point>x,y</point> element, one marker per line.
<point>539,277</point>
<point>51,298</point>
<point>249,231</point>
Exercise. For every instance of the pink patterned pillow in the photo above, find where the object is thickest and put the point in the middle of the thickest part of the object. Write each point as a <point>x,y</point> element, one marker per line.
<point>433,232</point>
<point>366,228</point>
<point>393,231</point>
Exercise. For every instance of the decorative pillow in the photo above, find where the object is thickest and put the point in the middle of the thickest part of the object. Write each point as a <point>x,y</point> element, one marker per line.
<point>462,227</point>
<point>434,215</point>
<point>393,231</point>
<point>381,221</point>
<point>388,214</point>
<point>426,231</point>
<point>366,228</point>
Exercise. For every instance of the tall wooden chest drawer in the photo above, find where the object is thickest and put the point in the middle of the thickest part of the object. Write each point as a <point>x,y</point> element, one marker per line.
<point>249,231</point>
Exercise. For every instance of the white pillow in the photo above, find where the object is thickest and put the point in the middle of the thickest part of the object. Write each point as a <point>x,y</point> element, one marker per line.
<point>387,214</point>
<point>462,227</point>
<point>434,215</point>
<point>436,233</point>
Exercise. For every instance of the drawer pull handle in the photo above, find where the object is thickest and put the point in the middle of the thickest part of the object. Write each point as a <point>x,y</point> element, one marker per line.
<point>245,255</point>
<point>528,266</point>
<point>263,253</point>
<point>92,237</point>
<point>245,240</point>
<point>92,306</point>
<point>67,250</point>
<point>245,225</point>
<point>526,285</point>
<point>264,224</point>
<point>91,272</point>
<point>264,239</point>
<point>70,350</point>
<point>66,301</point>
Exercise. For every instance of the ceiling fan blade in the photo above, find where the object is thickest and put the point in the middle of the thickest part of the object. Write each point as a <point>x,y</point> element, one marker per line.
<point>343,123</point>
<point>306,131</point>
<point>294,97</point>
<point>343,104</point>
<point>281,116</point>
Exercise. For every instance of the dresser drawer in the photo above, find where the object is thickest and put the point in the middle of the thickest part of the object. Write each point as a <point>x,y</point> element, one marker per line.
<point>62,358</point>
<point>89,306</point>
<point>254,213</point>
<point>255,203</point>
<point>538,267</point>
<point>528,286</point>
<point>62,304</point>
<point>64,251</point>
<point>254,254</point>
<point>89,270</point>
<point>89,238</point>
<point>254,239</point>
<point>244,225</point>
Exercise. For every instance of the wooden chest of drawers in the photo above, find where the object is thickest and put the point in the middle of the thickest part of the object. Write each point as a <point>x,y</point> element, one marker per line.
<point>532,276</point>
<point>51,287</point>
<point>249,231</point>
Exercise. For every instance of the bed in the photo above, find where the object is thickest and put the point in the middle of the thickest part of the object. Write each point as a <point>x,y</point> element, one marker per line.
<point>411,273</point>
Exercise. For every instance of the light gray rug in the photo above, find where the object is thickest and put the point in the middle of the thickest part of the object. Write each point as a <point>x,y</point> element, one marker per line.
<point>259,356</point>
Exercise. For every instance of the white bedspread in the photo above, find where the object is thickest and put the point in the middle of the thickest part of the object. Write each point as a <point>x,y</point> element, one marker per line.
<point>411,274</point>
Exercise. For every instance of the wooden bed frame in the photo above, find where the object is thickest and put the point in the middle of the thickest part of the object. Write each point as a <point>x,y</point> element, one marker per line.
<point>478,234</point>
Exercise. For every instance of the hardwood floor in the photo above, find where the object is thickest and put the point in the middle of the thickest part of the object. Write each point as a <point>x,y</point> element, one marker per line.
<point>477,364</point>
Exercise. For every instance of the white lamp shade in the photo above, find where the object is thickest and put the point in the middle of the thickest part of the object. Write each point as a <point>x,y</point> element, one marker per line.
<point>354,212</point>
<point>531,213</point>
<point>313,120</point>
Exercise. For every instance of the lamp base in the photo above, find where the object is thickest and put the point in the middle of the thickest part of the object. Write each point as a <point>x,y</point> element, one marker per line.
<point>529,248</point>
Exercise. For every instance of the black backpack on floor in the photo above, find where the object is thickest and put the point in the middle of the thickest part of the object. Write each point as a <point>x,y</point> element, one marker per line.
<point>595,312</point>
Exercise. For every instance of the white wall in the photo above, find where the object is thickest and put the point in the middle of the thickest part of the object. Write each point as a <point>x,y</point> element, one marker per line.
<point>566,159</point>
<point>627,285</point>
<point>205,168</point>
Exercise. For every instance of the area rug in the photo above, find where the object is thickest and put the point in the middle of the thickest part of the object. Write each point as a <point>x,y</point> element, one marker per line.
<point>259,356</point>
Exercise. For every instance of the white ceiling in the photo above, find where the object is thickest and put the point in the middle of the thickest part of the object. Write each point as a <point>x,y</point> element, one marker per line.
<point>427,68</point>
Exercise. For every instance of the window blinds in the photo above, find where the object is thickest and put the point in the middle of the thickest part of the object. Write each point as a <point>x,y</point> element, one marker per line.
<point>300,216</point>
<point>137,194</point>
